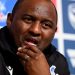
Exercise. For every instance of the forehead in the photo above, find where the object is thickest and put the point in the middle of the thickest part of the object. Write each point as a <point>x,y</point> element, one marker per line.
<point>39,7</point>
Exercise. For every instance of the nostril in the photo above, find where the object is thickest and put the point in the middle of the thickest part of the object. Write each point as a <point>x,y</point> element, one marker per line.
<point>34,33</point>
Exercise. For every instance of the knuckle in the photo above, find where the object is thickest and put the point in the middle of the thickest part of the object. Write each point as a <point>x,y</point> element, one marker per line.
<point>39,55</point>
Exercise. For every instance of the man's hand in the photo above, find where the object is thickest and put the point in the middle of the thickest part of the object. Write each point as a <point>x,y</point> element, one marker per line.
<point>33,60</point>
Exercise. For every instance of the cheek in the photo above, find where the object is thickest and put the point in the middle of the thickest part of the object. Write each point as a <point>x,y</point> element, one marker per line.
<point>47,37</point>
<point>20,27</point>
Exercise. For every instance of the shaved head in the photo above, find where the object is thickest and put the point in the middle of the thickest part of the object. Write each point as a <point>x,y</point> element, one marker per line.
<point>20,1</point>
<point>28,2</point>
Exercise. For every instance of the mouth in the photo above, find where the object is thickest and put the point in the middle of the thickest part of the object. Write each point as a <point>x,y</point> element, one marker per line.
<point>31,41</point>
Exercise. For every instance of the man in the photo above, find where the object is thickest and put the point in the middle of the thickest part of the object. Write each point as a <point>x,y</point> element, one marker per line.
<point>25,43</point>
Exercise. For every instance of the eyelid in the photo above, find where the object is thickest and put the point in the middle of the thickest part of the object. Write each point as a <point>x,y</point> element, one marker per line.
<point>48,22</point>
<point>29,16</point>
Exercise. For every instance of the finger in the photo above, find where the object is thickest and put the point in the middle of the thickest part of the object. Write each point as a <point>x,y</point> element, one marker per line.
<point>23,56</point>
<point>33,48</point>
<point>21,49</point>
<point>31,54</point>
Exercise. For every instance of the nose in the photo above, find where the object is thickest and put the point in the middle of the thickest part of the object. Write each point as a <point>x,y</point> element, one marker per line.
<point>35,29</point>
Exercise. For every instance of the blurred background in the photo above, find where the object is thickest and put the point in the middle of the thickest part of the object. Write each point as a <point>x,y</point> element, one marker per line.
<point>64,39</point>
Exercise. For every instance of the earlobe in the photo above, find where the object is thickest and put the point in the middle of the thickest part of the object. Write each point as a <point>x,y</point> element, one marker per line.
<point>9,19</point>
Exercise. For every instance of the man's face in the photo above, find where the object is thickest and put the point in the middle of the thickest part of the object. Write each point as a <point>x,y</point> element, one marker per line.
<point>34,22</point>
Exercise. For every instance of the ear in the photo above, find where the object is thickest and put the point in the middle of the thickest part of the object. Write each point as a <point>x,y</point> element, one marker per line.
<point>56,29</point>
<point>9,20</point>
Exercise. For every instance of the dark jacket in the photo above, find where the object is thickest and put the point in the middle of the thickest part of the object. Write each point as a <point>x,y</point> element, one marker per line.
<point>8,57</point>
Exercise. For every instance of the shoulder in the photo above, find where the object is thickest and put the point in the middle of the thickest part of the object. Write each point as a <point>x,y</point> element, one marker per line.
<point>59,61</point>
<point>55,55</point>
<point>3,70</point>
<point>1,62</point>
<point>59,56</point>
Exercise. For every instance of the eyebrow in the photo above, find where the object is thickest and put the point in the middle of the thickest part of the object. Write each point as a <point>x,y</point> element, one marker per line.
<point>44,19</point>
<point>28,15</point>
<point>33,17</point>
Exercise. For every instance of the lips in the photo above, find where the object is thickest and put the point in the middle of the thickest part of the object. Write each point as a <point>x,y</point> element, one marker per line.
<point>32,41</point>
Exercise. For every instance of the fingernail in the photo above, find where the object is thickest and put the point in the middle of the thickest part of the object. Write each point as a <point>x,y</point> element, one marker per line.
<point>19,48</point>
